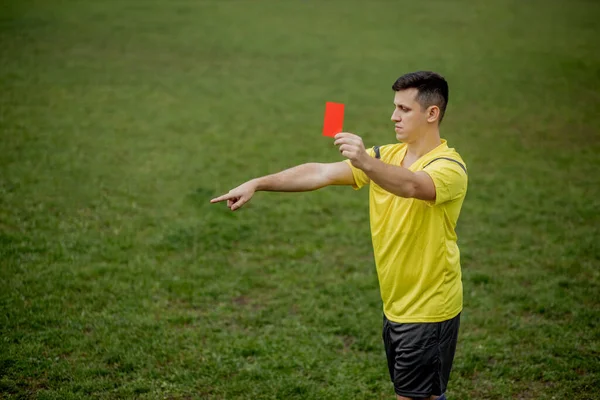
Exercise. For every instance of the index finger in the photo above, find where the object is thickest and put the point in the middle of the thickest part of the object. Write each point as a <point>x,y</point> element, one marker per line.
<point>345,135</point>
<point>227,196</point>
<point>348,139</point>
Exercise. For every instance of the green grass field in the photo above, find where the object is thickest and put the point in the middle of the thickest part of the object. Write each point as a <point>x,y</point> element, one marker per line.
<point>120,120</point>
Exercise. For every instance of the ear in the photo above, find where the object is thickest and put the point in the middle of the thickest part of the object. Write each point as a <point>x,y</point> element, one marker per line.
<point>433,114</point>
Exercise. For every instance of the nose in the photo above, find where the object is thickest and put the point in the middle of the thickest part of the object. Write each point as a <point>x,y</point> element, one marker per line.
<point>396,116</point>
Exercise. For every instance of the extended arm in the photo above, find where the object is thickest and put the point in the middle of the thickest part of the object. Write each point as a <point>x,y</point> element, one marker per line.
<point>301,178</point>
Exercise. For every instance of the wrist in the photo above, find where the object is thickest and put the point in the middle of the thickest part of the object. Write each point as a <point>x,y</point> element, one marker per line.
<point>368,164</point>
<point>257,184</point>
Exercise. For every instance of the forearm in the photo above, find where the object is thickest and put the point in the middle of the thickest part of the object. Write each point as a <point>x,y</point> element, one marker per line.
<point>302,178</point>
<point>395,179</point>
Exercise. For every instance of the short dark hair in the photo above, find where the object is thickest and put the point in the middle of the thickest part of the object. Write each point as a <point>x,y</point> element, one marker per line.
<point>432,89</point>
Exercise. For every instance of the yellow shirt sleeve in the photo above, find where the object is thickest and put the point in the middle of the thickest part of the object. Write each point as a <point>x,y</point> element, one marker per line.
<point>450,180</point>
<point>360,178</point>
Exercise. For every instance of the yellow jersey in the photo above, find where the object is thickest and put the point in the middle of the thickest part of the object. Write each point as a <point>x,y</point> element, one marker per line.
<point>414,241</point>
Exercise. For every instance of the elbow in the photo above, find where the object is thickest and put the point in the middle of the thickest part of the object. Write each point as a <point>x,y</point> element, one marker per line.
<point>319,176</point>
<point>407,190</point>
<point>323,175</point>
<point>415,191</point>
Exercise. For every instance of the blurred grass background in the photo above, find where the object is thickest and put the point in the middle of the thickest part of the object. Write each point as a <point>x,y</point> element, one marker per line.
<point>120,120</point>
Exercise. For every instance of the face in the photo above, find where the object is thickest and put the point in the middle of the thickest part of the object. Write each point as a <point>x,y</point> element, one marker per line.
<point>409,118</point>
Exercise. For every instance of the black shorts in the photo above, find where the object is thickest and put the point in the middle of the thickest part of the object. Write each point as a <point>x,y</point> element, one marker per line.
<point>420,355</point>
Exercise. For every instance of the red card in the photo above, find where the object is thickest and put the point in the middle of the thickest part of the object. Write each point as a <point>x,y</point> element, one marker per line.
<point>334,119</point>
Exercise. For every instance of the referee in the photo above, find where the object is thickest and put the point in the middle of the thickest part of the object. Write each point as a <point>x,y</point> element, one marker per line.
<point>416,191</point>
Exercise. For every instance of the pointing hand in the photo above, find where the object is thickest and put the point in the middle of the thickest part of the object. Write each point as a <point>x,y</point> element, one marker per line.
<point>238,196</point>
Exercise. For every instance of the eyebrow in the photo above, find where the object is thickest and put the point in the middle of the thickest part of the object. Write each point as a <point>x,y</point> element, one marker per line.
<point>401,105</point>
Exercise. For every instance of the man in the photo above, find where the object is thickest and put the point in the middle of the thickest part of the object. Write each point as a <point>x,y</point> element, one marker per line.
<point>417,188</point>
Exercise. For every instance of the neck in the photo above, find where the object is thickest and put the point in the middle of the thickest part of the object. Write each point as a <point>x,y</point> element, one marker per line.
<point>427,142</point>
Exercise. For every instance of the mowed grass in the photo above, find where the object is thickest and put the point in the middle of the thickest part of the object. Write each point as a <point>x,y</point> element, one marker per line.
<point>120,120</point>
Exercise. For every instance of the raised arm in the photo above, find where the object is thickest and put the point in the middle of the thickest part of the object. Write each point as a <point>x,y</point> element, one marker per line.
<point>393,178</point>
<point>301,178</point>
